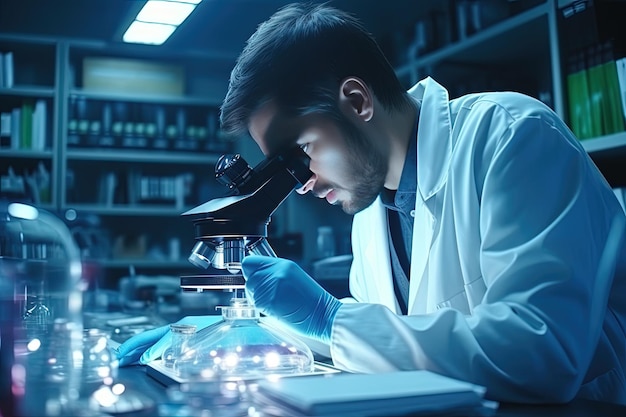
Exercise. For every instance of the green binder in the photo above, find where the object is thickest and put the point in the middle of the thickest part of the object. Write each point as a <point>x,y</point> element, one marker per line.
<point>597,99</point>
<point>613,120</point>
<point>26,137</point>
<point>578,97</point>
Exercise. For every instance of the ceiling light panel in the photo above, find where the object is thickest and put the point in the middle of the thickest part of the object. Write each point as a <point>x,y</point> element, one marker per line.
<point>157,20</point>
<point>168,12</point>
<point>150,33</point>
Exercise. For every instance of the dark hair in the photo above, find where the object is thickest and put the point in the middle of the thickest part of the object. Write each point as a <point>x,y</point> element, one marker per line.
<point>298,57</point>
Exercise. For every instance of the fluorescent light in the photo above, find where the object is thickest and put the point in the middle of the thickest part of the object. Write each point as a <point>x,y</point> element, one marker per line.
<point>150,33</point>
<point>157,20</point>
<point>169,12</point>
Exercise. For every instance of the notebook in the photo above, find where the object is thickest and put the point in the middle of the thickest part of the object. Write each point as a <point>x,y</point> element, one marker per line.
<point>383,394</point>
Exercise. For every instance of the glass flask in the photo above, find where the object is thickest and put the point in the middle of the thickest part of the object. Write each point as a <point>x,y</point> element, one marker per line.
<point>242,347</point>
<point>101,394</point>
<point>41,305</point>
<point>181,333</point>
<point>99,364</point>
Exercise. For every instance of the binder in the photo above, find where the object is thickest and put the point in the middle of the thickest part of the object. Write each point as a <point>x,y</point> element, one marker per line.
<point>597,99</point>
<point>1,70</point>
<point>578,100</point>
<point>620,64</point>
<point>26,131</point>
<point>8,70</point>
<point>39,127</point>
<point>612,120</point>
<point>16,127</point>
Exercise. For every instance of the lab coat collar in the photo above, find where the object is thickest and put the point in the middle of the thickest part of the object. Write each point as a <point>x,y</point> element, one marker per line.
<point>434,123</point>
<point>434,151</point>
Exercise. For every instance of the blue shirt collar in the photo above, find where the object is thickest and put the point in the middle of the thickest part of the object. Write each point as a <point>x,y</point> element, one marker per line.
<point>404,198</point>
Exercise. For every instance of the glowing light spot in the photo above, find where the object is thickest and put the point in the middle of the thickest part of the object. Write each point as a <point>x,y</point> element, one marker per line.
<point>33,345</point>
<point>207,374</point>
<point>104,371</point>
<point>118,389</point>
<point>231,360</point>
<point>104,396</point>
<point>23,211</point>
<point>272,360</point>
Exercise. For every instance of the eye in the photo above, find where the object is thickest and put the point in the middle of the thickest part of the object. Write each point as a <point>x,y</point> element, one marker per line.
<point>304,146</point>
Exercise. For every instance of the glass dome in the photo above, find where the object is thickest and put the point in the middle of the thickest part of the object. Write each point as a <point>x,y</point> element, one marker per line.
<point>241,346</point>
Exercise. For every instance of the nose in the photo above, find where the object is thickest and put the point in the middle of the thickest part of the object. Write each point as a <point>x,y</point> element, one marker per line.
<point>308,186</point>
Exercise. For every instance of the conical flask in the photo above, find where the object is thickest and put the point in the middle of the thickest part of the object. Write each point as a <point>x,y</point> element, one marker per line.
<point>241,346</point>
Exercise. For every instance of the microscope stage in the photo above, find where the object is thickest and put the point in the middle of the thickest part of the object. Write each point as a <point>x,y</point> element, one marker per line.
<point>212,282</point>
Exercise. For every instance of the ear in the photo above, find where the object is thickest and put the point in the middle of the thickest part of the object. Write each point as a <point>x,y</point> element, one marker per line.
<point>355,98</point>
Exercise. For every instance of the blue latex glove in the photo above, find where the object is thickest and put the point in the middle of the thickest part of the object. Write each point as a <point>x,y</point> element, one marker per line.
<point>280,288</point>
<point>150,345</point>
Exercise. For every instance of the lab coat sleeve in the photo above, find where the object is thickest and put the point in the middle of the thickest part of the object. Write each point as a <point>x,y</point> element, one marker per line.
<point>544,219</point>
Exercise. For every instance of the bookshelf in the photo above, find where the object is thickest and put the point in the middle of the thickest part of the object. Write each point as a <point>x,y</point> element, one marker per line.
<point>28,104</point>
<point>526,51</point>
<point>122,198</point>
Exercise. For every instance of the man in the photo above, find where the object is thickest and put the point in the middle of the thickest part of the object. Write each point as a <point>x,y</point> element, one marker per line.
<point>479,229</point>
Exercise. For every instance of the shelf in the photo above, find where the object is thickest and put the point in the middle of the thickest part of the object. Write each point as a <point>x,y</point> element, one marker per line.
<point>9,153</point>
<point>122,210</point>
<point>502,34</point>
<point>27,91</point>
<point>615,143</point>
<point>135,155</point>
<point>144,98</point>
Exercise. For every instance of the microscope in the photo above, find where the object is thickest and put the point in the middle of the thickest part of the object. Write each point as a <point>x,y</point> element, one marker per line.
<point>231,227</point>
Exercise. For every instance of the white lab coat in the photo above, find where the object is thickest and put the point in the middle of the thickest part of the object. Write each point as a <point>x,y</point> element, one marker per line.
<point>510,220</point>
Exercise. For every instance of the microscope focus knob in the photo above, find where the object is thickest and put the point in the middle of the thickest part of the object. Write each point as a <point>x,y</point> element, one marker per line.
<point>232,170</point>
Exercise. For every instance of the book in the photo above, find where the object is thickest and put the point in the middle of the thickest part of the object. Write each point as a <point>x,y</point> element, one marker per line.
<point>1,70</point>
<point>620,64</point>
<point>16,126</point>
<point>578,97</point>
<point>595,77</point>
<point>612,118</point>
<point>388,394</point>
<point>39,125</point>
<point>8,70</point>
<point>5,130</point>
<point>26,130</point>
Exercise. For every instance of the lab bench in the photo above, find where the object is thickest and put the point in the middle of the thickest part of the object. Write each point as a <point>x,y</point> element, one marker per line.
<point>136,378</point>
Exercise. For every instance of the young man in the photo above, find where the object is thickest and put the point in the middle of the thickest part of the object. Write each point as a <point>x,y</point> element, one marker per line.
<point>480,223</point>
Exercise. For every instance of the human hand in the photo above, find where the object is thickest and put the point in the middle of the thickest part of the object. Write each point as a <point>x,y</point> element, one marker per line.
<point>280,288</point>
<point>151,344</point>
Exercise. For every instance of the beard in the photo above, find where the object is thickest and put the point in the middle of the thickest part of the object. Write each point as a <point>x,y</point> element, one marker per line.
<point>367,170</point>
